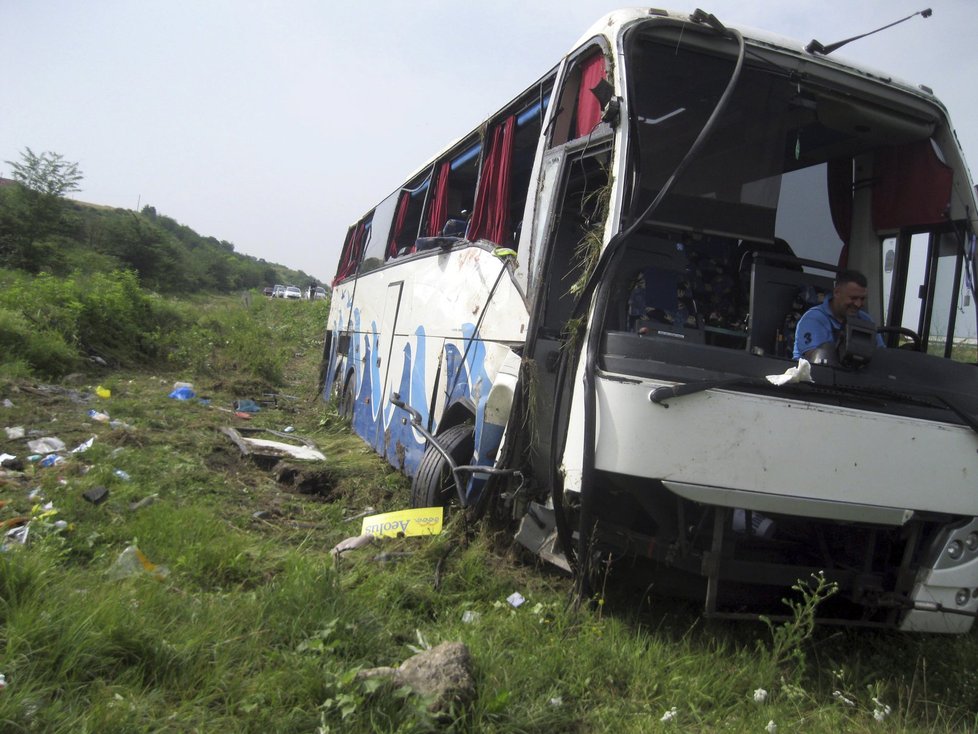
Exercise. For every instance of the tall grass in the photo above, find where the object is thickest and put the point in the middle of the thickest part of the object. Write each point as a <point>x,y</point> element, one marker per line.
<point>256,628</point>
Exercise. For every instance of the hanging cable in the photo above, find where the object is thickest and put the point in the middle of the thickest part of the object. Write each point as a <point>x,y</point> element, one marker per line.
<point>594,298</point>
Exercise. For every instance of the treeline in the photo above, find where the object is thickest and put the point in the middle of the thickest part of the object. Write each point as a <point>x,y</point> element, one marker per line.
<point>43,232</point>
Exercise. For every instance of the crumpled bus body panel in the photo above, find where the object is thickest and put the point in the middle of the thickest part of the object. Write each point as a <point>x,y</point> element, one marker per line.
<point>427,331</point>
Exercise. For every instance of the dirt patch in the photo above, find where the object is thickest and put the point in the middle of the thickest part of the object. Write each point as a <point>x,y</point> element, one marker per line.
<point>316,482</point>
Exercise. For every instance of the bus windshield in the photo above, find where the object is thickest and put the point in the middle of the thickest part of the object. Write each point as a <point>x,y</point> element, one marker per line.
<point>800,164</point>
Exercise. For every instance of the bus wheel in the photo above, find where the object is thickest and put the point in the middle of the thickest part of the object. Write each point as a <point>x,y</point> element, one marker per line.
<point>348,398</point>
<point>433,485</point>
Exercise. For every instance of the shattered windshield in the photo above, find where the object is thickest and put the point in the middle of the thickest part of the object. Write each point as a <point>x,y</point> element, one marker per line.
<point>818,167</point>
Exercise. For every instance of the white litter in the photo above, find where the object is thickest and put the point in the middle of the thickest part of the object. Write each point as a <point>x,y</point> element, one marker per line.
<point>801,373</point>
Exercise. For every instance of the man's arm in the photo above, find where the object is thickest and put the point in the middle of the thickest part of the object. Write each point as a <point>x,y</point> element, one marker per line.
<point>813,330</point>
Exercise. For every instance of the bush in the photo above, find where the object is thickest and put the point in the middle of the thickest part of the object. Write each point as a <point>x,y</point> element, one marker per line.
<point>27,348</point>
<point>51,324</point>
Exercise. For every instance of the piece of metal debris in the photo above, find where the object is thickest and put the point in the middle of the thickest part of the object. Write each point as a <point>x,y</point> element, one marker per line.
<point>357,541</point>
<point>276,449</point>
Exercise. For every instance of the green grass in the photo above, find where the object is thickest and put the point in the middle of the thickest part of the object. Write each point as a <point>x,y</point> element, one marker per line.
<point>257,629</point>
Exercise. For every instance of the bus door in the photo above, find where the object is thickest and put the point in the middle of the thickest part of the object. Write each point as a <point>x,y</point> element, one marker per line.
<point>574,196</point>
<point>381,369</point>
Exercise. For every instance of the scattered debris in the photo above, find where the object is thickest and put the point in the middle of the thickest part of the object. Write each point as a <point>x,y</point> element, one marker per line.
<point>144,502</point>
<point>515,600</point>
<point>359,516</point>
<point>470,617</point>
<point>443,675</point>
<point>96,495</point>
<point>132,562</point>
<point>277,449</point>
<point>123,475</point>
<point>14,432</point>
<point>97,415</point>
<point>245,405</point>
<point>46,445</point>
<point>183,393</point>
<point>103,392</point>
<point>358,541</point>
<point>405,523</point>
<point>50,460</point>
<point>83,446</point>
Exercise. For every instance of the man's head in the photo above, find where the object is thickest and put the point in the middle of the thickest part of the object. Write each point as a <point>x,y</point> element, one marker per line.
<point>849,294</point>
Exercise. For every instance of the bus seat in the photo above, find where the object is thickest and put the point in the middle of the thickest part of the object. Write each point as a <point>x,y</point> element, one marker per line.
<point>434,243</point>
<point>454,228</point>
<point>663,296</point>
<point>715,285</point>
<point>779,296</point>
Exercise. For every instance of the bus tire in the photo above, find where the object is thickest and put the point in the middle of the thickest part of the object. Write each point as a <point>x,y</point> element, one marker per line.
<point>347,398</point>
<point>433,485</point>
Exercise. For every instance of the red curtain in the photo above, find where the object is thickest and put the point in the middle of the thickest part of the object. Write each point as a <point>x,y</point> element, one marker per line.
<point>438,206</point>
<point>352,251</point>
<point>399,217</point>
<point>490,215</point>
<point>839,179</point>
<point>911,188</point>
<point>588,107</point>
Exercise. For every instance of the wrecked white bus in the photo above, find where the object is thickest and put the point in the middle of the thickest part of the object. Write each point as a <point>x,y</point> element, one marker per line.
<point>569,316</point>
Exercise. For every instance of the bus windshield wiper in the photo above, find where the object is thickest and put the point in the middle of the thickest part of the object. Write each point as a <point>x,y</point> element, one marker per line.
<point>664,392</point>
<point>925,399</point>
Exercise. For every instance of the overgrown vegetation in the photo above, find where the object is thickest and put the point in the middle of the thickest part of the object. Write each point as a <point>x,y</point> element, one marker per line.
<point>255,627</point>
<point>41,231</point>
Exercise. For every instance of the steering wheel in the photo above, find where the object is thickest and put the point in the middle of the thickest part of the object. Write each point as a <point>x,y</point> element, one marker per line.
<point>915,341</point>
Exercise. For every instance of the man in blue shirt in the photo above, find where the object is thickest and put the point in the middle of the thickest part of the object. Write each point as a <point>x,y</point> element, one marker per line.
<point>821,324</point>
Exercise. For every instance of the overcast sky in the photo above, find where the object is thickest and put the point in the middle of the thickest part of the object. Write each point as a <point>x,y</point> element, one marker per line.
<point>274,125</point>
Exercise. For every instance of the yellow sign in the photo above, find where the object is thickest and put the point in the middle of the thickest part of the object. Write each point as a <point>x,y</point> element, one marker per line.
<point>405,523</point>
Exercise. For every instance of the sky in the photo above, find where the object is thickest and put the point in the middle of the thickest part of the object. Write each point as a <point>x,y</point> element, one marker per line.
<point>275,125</point>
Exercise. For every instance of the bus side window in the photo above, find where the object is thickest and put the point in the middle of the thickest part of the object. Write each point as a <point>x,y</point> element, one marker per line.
<point>579,111</point>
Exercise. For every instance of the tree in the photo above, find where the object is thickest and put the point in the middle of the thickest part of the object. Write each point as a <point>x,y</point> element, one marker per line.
<point>33,215</point>
<point>47,173</point>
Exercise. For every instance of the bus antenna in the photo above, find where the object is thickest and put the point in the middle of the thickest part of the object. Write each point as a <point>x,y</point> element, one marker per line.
<point>814,47</point>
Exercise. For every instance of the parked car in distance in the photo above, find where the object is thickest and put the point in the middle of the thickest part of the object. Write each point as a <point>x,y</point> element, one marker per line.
<point>292,291</point>
<point>268,291</point>
<point>278,291</point>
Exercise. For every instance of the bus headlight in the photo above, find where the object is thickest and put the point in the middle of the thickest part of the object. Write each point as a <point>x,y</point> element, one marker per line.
<point>971,542</point>
<point>962,597</point>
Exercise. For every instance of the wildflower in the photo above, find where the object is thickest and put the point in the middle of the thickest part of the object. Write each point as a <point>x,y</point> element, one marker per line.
<point>881,711</point>
<point>840,697</point>
<point>760,695</point>
<point>771,727</point>
<point>669,715</point>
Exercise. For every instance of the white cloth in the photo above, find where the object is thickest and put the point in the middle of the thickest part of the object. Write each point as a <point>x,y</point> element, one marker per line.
<point>801,373</point>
